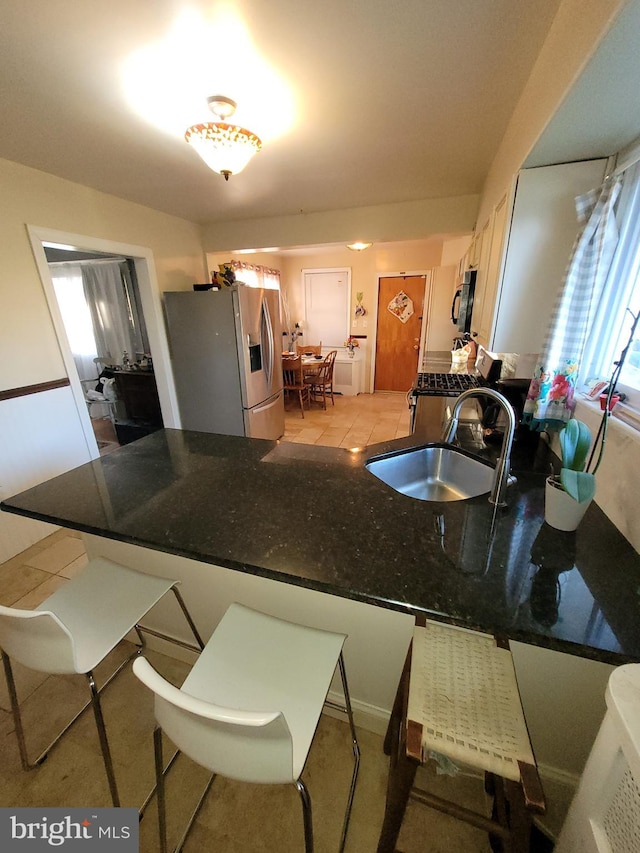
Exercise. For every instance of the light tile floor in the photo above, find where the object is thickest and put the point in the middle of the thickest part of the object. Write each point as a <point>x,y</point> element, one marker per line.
<point>350,422</point>
<point>237,818</point>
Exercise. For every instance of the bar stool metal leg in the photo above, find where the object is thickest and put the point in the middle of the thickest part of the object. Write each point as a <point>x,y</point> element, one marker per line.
<point>17,719</point>
<point>306,815</point>
<point>356,752</point>
<point>104,743</point>
<point>160,793</point>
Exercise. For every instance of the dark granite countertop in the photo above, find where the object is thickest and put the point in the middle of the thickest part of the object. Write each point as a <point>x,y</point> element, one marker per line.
<point>314,516</point>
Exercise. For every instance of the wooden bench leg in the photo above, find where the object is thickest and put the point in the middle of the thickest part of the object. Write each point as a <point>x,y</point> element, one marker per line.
<point>402,770</point>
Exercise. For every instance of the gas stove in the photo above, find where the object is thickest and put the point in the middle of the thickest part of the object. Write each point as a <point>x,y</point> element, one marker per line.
<point>487,372</point>
<point>428,410</point>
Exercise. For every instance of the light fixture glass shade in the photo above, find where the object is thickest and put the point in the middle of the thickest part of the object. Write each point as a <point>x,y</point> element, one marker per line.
<point>225,148</point>
<point>358,247</point>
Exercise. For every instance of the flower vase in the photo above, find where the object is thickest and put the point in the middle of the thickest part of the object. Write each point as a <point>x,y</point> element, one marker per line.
<point>351,353</point>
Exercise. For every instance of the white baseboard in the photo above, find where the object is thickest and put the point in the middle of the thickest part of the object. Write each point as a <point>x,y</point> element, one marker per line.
<point>365,716</point>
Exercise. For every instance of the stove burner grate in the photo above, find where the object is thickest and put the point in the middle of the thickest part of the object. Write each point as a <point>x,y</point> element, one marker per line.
<point>445,384</point>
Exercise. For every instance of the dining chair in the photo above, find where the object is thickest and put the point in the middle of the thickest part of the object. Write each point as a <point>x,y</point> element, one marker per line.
<point>74,629</point>
<point>104,362</point>
<point>249,708</point>
<point>293,377</point>
<point>321,383</point>
<point>458,698</point>
<point>309,349</point>
<point>93,397</point>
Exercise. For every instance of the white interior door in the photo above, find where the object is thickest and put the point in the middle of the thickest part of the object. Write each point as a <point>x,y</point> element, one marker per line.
<point>327,297</point>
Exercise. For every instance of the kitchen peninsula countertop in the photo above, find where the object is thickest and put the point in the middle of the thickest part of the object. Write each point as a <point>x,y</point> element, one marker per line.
<point>315,517</point>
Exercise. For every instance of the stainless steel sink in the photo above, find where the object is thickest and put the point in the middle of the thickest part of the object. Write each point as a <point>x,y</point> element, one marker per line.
<point>435,472</point>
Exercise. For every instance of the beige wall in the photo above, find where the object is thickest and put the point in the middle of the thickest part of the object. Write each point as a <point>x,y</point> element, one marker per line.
<point>28,346</point>
<point>41,434</point>
<point>577,29</point>
<point>407,256</point>
<point>411,220</point>
<point>365,268</point>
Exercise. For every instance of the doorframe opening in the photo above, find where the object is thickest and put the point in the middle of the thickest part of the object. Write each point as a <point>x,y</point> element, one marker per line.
<point>144,264</point>
<point>426,308</point>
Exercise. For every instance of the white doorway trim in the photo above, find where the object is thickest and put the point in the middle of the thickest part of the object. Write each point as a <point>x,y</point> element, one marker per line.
<point>423,324</point>
<point>151,308</point>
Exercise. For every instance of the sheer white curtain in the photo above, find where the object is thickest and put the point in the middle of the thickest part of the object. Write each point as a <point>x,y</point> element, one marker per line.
<point>67,283</point>
<point>116,324</point>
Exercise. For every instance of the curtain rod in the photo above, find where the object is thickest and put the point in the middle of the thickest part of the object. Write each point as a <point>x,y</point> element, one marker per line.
<point>625,158</point>
<point>86,261</point>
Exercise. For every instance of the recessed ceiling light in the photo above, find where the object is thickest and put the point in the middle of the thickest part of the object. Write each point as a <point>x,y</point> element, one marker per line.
<point>255,251</point>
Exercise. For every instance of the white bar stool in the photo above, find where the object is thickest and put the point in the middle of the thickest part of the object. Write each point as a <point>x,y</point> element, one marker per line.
<point>458,697</point>
<point>249,708</point>
<point>604,815</point>
<point>75,629</point>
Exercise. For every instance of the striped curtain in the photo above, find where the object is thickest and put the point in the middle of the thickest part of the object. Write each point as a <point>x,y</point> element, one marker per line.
<point>550,401</point>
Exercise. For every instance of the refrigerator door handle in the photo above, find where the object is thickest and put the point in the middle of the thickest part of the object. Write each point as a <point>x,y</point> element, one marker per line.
<point>266,407</point>
<point>267,341</point>
<point>454,319</point>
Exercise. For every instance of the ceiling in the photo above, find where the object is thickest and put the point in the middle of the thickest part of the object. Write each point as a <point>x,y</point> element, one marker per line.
<point>378,102</point>
<point>601,113</point>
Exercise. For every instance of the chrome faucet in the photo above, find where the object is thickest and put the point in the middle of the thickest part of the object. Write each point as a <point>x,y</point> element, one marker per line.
<point>501,477</point>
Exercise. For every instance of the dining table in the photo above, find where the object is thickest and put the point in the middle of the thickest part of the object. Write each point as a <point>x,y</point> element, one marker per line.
<point>310,363</point>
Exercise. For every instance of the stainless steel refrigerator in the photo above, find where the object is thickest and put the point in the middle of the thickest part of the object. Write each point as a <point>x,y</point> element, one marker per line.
<point>225,352</point>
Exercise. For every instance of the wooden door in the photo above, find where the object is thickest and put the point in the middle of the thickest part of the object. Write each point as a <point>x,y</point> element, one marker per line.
<point>397,342</point>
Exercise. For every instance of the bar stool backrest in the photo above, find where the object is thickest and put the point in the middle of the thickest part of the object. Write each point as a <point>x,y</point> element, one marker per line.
<point>249,746</point>
<point>37,639</point>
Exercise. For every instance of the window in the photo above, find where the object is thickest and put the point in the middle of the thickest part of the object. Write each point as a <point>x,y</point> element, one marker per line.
<point>620,302</point>
<point>629,381</point>
<point>255,275</point>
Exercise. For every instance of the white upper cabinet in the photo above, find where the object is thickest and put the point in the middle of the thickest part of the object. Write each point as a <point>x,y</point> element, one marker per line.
<point>493,268</point>
<point>543,229</point>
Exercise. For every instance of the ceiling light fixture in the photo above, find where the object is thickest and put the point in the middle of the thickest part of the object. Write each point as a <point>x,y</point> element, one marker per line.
<point>358,247</point>
<point>225,148</point>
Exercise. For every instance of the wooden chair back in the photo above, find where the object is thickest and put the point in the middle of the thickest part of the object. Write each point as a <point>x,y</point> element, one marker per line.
<point>321,382</point>
<point>313,349</point>
<point>292,373</point>
<point>325,373</point>
<point>293,378</point>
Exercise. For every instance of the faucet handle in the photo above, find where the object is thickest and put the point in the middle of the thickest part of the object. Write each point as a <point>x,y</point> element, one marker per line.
<point>450,430</point>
